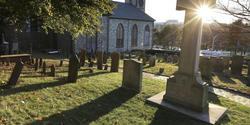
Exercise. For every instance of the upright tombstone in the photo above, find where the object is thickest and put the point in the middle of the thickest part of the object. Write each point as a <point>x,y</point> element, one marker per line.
<point>105,58</point>
<point>52,71</point>
<point>186,92</point>
<point>82,57</point>
<point>152,61</point>
<point>73,68</point>
<point>99,60</point>
<point>115,56</point>
<point>205,67</point>
<point>61,63</point>
<point>248,71</point>
<point>16,73</point>
<point>44,68</point>
<point>132,75</point>
<point>226,62</point>
<point>237,65</point>
<point>41,62</point>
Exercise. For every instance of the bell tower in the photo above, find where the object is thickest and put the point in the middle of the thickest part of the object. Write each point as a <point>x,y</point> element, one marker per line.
<point>140,4</point>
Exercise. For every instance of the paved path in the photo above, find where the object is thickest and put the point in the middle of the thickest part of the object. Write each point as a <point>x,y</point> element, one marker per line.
<point>234,96</point>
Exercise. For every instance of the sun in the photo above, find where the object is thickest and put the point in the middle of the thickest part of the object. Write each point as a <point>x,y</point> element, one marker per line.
<point>205,13</point>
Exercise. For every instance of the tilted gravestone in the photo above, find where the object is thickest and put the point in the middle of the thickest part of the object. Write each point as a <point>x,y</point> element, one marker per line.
<point>41,62</point>
<point>52,71</point>
<point>186,92</point>
<point>205,67</point>
<point>152,61</point>
<point>237,65</point>
<point>132,75</point>
<point>99,60</point>
<point>115,56</point>
<point>73,68</point>
<point>82,57</point>
<point>16,73</point>
<point>44,68</point>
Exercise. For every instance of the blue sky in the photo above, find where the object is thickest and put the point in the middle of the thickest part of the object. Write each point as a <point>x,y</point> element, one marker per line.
<point>163,10</point>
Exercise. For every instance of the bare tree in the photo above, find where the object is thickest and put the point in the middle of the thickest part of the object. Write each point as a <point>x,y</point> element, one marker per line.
<point>237,8</point>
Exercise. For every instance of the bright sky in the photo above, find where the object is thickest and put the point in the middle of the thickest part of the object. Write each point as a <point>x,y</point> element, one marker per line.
<point>163,10</point>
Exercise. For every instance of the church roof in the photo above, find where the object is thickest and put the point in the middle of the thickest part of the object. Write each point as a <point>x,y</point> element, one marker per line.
<point>128,11</point>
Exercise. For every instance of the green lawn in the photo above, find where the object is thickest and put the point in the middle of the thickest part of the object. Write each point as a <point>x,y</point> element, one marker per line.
<point>95,99</point>
<point>169,68</point>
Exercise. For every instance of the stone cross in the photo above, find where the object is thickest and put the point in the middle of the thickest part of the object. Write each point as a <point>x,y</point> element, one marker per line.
<point>16,73</point>
<point>186,88</point>
<point>73,68</point>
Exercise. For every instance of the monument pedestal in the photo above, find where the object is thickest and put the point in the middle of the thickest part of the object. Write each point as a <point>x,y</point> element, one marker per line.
<point>211,115</point>
<point>189,91</point>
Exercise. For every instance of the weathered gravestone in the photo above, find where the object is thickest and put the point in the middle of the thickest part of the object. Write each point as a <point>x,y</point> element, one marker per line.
<point>36,64</point>
<point>61,63</point>
<point>249,71</point>
<point>73,68</point>
<point>237,65</point>
<point>226,62</point>
<point>82,57</point>
<point>41,62</point>
<point>44,68</point>
<point>144,61</point>
<point>105,58</point>
<point>219,66</point>
<point>186,92</point>
<point>205,67</point>
<point>16,73</point>
<point>115,56</point>
<point>132,75</point>
<point>99,60</point>
<point>52,71</point>
<point>152,61</point>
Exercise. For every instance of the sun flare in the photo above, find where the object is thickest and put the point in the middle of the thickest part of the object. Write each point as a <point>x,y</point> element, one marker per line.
<point>205,13</point>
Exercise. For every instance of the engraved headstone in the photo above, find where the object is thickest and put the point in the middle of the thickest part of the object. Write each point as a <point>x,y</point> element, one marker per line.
<point>152,61</point>
<point>115,56</point>
<point>99,60</point>
<point>44,68</point>
<point>237,65</point>
<point>52,71</point>
<point>132,75</point>
<point>73,68</point>
<point>16,73</point>
<point>41,62</point>
<point>82,57</point>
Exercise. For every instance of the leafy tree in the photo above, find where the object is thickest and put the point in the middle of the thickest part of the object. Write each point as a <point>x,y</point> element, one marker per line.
<point>73,16</point>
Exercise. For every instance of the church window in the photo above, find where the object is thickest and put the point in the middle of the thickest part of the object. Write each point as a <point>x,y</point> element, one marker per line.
<point>134,37</point>
<point>120,36</point>
<point>146,36</point>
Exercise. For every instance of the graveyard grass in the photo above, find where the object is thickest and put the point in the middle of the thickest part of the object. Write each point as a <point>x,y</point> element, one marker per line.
<point>95,99</point>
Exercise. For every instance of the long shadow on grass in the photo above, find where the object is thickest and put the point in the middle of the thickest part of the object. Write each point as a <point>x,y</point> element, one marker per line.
<point>90,111</point>
<point>163,116</point>
<point>224,78</point>
<point>33,87</point>
<point>92,74</point>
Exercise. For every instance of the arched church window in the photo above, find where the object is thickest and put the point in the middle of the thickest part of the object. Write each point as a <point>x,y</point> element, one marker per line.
<point>134,37</point>
<point>120,36</point>
<point>146,36</point>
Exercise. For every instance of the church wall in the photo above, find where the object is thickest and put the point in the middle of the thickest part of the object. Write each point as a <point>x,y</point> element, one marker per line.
<point>128,25</point>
